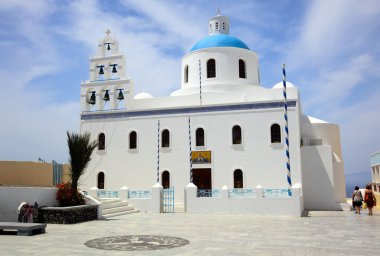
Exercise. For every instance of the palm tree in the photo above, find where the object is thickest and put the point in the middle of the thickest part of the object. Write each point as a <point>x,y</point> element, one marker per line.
<point>80,151</point>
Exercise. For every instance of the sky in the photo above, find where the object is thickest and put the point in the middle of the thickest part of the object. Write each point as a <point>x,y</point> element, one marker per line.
<point>331,50</point>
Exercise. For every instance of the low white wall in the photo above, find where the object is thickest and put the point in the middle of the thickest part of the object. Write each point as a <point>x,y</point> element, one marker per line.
<point>260,205</point>
<point>11,197</point>
<point>152,204</point>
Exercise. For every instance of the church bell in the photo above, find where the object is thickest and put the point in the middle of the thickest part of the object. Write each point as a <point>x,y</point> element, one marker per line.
<point>106,96</point>
<point>114,70</point>
<point>92,100</point>
<point>120,96</point>
<point>101,71</point>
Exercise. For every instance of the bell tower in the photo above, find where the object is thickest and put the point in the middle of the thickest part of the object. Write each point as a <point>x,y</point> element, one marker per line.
<point>108,87</point>
<point>219,25</point>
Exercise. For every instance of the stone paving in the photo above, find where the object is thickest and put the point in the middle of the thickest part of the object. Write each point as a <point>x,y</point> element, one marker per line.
<point>321,233</point>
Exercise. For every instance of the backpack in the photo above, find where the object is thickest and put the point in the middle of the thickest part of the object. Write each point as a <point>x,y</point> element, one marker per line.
<point>358,196</point>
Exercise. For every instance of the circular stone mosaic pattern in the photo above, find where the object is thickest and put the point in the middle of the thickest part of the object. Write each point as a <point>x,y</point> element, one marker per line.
<point>136,243</point>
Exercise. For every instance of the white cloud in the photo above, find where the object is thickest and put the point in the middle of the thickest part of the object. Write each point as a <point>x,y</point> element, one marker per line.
<point>151,68</point>
<point>333,29</point>
<point>333,86</point>
<point>32,125</point>
<point>360,135</point>
<point>336,56</point>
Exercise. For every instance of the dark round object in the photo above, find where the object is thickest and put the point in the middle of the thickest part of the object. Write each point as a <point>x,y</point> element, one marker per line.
<point>136,243</point>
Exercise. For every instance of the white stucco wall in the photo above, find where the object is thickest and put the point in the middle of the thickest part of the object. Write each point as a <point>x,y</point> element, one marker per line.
<point>261,162</point>
<point>11,197</point>
<point>291,206</point>
<point>227,66</point>
<point>322,184</point>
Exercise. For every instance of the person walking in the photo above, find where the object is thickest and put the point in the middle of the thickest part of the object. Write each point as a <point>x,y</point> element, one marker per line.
<point>369,199</point>
<point>357,199</point>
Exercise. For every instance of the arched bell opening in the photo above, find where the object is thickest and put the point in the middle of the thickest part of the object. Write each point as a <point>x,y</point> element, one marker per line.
<point>91,99</point>
<point>119,98</point>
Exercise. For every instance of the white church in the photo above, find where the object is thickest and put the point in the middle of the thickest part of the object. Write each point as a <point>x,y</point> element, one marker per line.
<point>220,129</point>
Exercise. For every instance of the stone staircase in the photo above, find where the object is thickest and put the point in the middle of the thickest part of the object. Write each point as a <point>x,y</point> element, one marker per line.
<point>115,207</point>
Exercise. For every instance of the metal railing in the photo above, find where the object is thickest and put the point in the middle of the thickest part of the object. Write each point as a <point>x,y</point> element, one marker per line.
<point>167,197</point>
<point>208,193</point>
<point>139,194</point>
<point>277,193</point>
<point>241,193</point>
<point>108,194</point>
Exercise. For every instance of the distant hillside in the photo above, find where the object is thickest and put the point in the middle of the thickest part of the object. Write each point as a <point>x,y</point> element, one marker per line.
<point>360,179</point>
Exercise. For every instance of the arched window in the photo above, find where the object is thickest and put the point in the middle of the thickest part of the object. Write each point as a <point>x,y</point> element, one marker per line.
<point>216,25</point>
<point>275,133</point>
<point>133,140</point>
<point>211,71</point>
<point>101,141</point>
<point>186,74</point>
<point>165,143</point>
<point>236,135</point>
<point>199,137</point>
<point>238,179</point>
<point>242,73</point>
<point>101,180</point>
<point>165,180</point>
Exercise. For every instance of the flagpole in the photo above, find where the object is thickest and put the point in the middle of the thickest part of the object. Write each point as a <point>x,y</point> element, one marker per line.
<point>158,151</point>
<point>286,131</point>
<point>190,156</point>
<point>200,83</point>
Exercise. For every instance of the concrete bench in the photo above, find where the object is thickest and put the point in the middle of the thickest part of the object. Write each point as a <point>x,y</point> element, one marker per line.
<point>23,229</point>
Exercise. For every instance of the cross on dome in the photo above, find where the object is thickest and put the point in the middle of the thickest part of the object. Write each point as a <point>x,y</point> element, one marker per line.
<point>108,32</point>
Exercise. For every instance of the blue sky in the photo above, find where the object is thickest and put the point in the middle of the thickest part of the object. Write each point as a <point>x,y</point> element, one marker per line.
<point>331,49</point>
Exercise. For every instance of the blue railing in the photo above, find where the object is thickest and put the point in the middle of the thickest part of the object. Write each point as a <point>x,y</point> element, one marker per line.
<point>208,193</point>
<point>167,197</point>
<point>277,193</point>
<point>139,194</point>
<point>242,193</point>
<point>108,194</point>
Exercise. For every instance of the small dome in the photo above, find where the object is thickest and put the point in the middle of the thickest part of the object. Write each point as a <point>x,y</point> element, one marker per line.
<point>219,40</point>
<point>280,85</point>
<point>143,95</point>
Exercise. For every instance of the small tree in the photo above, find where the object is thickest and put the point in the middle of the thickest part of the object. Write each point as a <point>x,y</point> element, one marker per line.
<point>80,151</point>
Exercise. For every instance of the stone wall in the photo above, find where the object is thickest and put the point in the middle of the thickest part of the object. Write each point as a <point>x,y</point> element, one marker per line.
<point>68,215</point>
<point>29,174</point>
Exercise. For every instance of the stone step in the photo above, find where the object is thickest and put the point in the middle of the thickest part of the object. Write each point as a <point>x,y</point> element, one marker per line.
<point>109,200</point>
<point>113,205</point>
<point>117,209</point>
<point>106,216</point>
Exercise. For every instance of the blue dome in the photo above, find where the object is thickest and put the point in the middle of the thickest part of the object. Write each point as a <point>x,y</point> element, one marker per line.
<point>220,40</point>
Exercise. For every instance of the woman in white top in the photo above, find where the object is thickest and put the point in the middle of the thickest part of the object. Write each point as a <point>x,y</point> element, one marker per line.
<point>357,199</point>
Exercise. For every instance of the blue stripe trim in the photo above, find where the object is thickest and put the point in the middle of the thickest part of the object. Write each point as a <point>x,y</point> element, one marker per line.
<point>190,110</point>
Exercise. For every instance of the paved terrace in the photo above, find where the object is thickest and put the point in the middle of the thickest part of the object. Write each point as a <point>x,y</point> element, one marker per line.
<point>321,233</point>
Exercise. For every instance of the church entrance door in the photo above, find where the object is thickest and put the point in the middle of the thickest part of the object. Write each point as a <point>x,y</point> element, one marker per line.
<point>202,178</point>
